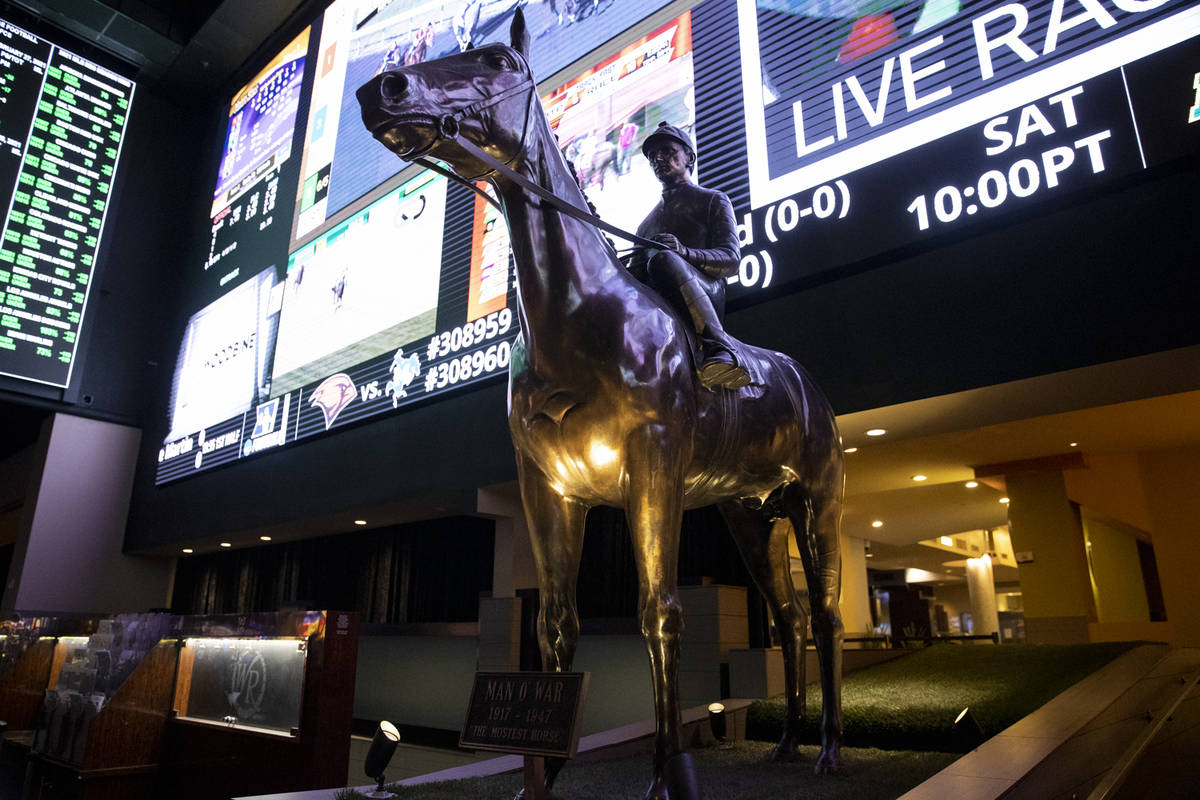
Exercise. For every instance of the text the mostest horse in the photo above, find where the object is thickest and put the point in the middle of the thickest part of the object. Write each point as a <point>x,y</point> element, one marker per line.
<point>605,408</point>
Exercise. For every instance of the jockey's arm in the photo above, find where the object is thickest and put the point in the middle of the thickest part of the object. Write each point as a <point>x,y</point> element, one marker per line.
<point>723,255</point>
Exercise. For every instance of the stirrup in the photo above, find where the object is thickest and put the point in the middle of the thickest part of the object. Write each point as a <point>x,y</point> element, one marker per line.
<point>725,372</point>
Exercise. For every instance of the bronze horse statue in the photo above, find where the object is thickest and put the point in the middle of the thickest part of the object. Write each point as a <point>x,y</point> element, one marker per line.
<point>605,407</point>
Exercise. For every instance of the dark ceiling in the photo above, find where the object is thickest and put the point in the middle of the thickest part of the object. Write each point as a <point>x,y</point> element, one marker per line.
<point>193,45</point>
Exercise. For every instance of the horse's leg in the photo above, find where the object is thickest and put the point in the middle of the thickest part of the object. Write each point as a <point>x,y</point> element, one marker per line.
<point>764,548</point>
<point>556,526</point>
<point>654,509</point>
<point>816,513</point>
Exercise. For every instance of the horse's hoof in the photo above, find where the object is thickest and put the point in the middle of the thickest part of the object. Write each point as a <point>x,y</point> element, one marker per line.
<point>784,753</point>
<point>828,763</point>
<point>657,790</point>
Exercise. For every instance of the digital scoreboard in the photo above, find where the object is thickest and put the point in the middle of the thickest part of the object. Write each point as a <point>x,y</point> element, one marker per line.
<point>62,120</point>
<point>871,126</point>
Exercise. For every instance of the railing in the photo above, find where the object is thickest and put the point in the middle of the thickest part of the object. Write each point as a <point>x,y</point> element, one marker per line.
<point>1115,777</point>
<point>899,640</point>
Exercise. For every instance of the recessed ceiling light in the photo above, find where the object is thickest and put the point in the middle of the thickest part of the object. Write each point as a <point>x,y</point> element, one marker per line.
<point>265,538</point>
<point>360,522</point>
<point>946,540</point>
<point>877,523</point>
<point>870,555</point>
<point>877,432</point>
<point>187,549</point>
<point>972,484</point>
<point>1004,500</point>
<point>226,544</point>
<point>919,478</point>
<point>850,450</point>
<point>1074,444</point>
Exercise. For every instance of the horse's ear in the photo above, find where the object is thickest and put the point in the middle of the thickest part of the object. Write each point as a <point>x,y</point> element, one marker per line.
<point>470,45</point>
<point>519,33</point>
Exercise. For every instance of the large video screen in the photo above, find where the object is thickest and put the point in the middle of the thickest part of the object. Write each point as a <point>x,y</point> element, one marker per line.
<point>341,284</point>
<point>602,117</point>
<point>62,123</point>
<point>361,38</point>
<point>391,286</point>
<point>872,125</point>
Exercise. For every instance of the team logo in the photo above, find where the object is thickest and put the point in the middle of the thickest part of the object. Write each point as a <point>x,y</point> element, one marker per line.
<point>404,369</point>
<point>247,684</point>
<point>265,416</point>
<point>333,395</point>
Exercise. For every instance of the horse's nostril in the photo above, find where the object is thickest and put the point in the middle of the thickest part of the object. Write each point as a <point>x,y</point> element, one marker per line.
<point>393,86</point>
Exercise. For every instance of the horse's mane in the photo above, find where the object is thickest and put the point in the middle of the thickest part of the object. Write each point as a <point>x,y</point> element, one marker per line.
<point>591,206</point>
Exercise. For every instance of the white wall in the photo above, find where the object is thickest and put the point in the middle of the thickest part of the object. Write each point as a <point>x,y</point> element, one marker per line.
<point>68,551</point>
<point>426,680</point>
<point>620,690</point>
<point>415,680</point>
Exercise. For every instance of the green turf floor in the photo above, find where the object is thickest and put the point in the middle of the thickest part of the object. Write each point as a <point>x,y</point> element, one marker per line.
<point>911,703</point>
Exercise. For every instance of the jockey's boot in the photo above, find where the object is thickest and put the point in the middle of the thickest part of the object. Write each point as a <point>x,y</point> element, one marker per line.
<point>718,362</point>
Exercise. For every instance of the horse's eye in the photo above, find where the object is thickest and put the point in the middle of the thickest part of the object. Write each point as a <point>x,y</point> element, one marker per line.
<point>499,61</point>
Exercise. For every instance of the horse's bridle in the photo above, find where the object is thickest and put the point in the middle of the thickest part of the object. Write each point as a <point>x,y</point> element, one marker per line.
<point>449,129</point>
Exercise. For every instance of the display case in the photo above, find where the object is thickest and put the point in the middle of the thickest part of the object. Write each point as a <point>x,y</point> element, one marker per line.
<point>152,706</point>
<point>32,652</point>
<point>257,684</point>
<point>86,674</point>
<point>255,693</point>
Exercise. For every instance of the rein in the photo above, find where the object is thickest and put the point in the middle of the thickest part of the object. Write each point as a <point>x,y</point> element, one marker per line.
<point>450,130</point>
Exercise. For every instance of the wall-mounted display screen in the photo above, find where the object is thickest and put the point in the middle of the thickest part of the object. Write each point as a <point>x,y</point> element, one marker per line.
<point>342,284</point>
<point>361,38</point>
<point>62,123</point>
<point>871,125</point>
<point>602,117</point>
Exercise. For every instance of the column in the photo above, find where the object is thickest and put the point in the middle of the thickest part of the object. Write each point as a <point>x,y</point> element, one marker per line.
<point>982,587</point>
<point>856,596</point>
<point>1171,478</point>
<point>1056,587</point>
<point>714,622</point>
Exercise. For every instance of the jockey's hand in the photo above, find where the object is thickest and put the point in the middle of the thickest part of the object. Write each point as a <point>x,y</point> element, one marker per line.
<point>669,241</point>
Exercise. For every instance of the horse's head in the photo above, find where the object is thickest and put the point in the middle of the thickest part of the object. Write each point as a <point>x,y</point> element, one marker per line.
<point>485,95</point>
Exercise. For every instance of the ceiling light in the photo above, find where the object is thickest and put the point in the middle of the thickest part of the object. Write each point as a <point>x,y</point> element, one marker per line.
<point>1074,444</point>
<point>226,544</point>
<point>946,540</point>
<point>850,450</point>
<point>876,432</point>
<point>877,523</point>
<point>187,549</point>
<point>972,484</point>
<point>1004,500</point>
<point>360,522</point>
<point>919,478</point>
<point>869,554</point>
<point>265,538</point>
